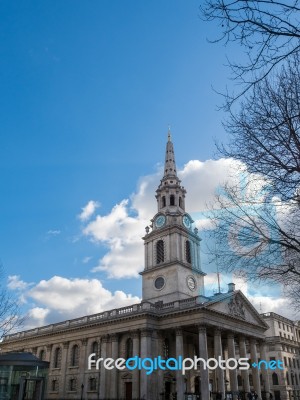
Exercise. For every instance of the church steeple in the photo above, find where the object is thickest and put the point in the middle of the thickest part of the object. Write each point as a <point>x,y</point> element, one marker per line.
<point>172,247</point>
<point>170,194</point>
<point>170,165</point>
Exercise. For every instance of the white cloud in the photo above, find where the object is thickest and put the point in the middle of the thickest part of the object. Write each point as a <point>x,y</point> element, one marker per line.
<point>61,298</point>
<point>53,232</point>
<point>36,316</point>
<point>14,282</point>
<point>88,210</point>
<point>86,259</point>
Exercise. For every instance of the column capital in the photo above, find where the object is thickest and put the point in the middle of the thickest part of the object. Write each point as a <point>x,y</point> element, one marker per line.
<point>178,331</point>
<point>146,332</point>
<point>135,334</point>
<point>49,347</point>
<point>66,345</point>
<point>84,341</point>
<point>105,338</point>
<point>230,335</point>
<point>114,337</point>
<point>218,331</point>
<point>202,328</point>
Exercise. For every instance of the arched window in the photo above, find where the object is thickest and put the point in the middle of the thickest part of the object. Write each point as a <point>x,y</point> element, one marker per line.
<point>74,355</point>
<point>172,200</point>
<point>160,252</point>
<point>296,379</point>
<point>92,384</point>
<point>129,348</point>
<point>42,355</point>
<point>57,358</point>
<point>166,348</point>
<point>287,378</point>
<point>188,255</point>
<point>275,379</point>
<point>95,348</point>
<point>163,200</point>
<point>239,378</point>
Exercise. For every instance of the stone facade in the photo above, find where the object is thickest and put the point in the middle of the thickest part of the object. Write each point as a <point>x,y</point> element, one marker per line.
<point>283,343</point>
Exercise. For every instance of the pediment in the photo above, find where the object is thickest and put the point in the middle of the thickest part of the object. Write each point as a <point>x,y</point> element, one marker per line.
<point>236,305</point>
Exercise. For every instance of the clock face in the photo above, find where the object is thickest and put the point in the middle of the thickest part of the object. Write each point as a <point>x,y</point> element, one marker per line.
<point>160,221</point>
<point>186,221</point>
<point>191,283</point>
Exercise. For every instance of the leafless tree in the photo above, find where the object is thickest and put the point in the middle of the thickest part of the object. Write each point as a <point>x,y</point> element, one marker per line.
<point>265,133</point>
<point>258,220</point>
<point>10,313</point>
<point>268,31</point>
<point>256,237</point>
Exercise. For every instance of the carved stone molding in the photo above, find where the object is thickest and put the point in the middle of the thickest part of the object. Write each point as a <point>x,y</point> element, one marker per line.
<point>236,307</point>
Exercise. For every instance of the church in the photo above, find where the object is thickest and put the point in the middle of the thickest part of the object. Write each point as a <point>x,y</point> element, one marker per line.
<point>175,319</point>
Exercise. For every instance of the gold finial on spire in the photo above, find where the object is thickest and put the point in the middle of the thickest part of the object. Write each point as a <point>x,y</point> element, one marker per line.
<point>169,133</point>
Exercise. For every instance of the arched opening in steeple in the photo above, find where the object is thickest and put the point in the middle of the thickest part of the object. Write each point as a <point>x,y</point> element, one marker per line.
<point>160,252</point>
<point>188,252</point>
<point>180,202</point>
<point>172,200</point>
<point>163,201</point>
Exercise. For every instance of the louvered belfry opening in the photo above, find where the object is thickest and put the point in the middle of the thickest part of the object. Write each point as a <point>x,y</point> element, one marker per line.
<point>160,252</point>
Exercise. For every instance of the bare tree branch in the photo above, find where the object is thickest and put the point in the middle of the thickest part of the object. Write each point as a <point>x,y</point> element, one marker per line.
<point>269,32</point>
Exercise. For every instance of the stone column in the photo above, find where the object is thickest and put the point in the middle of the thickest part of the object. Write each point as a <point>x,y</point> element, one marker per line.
<point>265,375</point>
<point>255,371</point>
<point>158,375</point>
<point>114,372</point>
<point>82,365</point>
<point>136,372</point>
<point>63,385</point>
<point>204,376</point>
<point>218,353</point>
<point>179,377</point>
<point>245,372</point>
<point>104,341</point>
<point>232,372</point>
<point>145,380</point>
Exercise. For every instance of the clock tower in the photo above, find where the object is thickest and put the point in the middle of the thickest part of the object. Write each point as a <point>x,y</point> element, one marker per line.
<point>172,246</point>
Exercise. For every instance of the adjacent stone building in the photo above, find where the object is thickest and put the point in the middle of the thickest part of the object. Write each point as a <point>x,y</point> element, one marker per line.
<point>175,319</point>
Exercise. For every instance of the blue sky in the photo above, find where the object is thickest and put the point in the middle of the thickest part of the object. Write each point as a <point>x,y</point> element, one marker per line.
<point>88,89</point>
